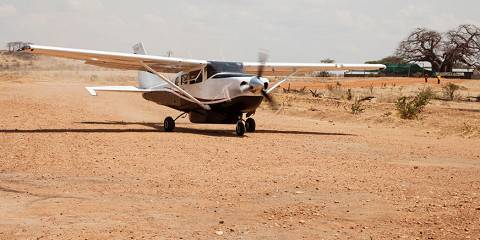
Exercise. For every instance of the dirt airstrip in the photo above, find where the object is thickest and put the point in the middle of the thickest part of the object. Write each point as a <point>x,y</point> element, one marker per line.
<point>74,166</point>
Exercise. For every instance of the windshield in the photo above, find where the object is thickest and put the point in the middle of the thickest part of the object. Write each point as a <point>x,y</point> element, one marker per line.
<point>214,67</point>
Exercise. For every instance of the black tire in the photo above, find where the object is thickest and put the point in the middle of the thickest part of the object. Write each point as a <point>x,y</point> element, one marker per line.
<point>169,124</point>
<point>240,129</point>
<point>250,125</point>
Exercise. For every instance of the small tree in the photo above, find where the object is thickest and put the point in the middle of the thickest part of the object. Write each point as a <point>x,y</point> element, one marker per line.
<point>323,73</point>
<point>388,60</point>
<point>327,60</point>
<point>449,91</point>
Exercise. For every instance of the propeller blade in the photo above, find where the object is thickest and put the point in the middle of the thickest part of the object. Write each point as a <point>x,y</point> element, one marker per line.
<point>262,59</point>
<point>273,104</point>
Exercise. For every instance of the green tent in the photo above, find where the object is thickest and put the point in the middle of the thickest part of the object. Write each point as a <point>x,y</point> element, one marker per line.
<point>405,70</point>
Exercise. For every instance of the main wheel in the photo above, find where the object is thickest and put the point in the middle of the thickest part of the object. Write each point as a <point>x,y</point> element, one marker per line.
<point>169,124</point>
<point>240,130</point>
<point>250,125</point>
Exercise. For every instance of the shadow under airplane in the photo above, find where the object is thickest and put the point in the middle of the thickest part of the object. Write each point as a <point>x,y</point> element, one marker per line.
<point>157,127</point>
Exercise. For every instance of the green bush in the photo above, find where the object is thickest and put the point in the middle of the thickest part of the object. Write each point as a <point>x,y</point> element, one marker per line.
<point>449,91</point>
<point>409,108</point>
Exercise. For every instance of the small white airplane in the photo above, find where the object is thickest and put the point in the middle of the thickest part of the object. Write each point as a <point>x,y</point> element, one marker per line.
<point>213,92</point>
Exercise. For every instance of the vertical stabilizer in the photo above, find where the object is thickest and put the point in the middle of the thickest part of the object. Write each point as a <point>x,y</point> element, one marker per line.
<point>139,49</point>
<point>146,80</point>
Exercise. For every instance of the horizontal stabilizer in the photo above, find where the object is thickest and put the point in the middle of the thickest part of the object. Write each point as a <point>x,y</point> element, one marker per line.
<point>93,90</point>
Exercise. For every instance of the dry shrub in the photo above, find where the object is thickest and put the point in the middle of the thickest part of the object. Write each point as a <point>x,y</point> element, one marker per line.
<point>316,94</point>
<point>409,108</point>
<point>94,78</point>
<point>470,130</point>
<point>357,107</point>
<point>371,88</point>
<point>330,87</point>
<point>349,94</point>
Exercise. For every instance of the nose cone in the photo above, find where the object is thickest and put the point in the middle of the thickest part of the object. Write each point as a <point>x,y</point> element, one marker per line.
<point>257,84</point>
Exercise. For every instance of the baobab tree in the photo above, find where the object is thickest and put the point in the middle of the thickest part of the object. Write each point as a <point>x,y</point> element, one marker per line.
<point>444,51</point>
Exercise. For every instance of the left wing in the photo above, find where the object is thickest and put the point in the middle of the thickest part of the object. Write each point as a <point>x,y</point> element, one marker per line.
<point>93,90</point>
<point>116,60</point>
<point>284,69</point>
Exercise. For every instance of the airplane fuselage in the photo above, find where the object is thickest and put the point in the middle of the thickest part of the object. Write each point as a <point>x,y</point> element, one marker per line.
<point>221,91</point>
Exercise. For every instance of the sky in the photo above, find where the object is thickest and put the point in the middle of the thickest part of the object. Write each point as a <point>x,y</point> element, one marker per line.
<point>350,31</point>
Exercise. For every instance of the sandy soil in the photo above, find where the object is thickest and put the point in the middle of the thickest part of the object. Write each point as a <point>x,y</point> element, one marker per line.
<point>81,167</point>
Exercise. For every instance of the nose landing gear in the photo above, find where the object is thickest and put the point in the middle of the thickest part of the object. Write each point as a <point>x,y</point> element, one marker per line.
<point>248,126</point>
<point>240,129</point>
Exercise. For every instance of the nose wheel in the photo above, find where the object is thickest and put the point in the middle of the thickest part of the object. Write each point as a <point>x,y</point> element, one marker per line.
<point>247,126</point>
<point>240,129</point>
<point>250,125</point>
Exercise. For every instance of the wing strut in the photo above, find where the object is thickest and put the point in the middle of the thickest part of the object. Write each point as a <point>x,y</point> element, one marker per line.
<point>204,106</point>
<point>280,82</point>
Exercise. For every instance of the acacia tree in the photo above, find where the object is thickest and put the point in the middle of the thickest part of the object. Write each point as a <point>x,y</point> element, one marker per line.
<point>327,60</point>
<point>443,51</point>
<point>388,60</point>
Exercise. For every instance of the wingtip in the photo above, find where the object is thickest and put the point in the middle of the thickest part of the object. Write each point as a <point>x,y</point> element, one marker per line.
<point>91,91</point>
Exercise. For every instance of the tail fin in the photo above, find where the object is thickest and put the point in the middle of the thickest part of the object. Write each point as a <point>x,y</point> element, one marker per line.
<point>139,49</point>
<point>146,80</point>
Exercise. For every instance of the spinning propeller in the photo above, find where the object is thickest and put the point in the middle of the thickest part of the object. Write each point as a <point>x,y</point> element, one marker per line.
<point>257,84</point>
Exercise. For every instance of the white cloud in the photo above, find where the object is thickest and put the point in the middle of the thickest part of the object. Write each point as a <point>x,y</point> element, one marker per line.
<point>7,10</point>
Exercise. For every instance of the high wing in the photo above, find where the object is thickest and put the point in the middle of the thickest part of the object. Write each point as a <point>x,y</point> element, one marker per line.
<point>116,60</point>
<point>93,90</point>
<point>284,69</point>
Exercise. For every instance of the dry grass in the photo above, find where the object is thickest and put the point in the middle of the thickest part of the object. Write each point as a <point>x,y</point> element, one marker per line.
<point>443,117</point>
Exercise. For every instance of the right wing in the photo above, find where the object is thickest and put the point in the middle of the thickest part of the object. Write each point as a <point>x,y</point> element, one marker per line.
<point>116,60</point>
<point>284,69</point>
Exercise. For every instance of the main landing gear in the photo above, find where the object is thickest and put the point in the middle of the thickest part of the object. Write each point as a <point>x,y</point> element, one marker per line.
<point>242,126</point>
<point>248,126</point>
<point>169,122</point>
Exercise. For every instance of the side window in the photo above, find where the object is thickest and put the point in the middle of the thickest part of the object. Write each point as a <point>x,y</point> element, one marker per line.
<point>200,78</point>
<point>177,80</point>
<point>195,77</point>
<point>190,78</point>
<point>184,78</point>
